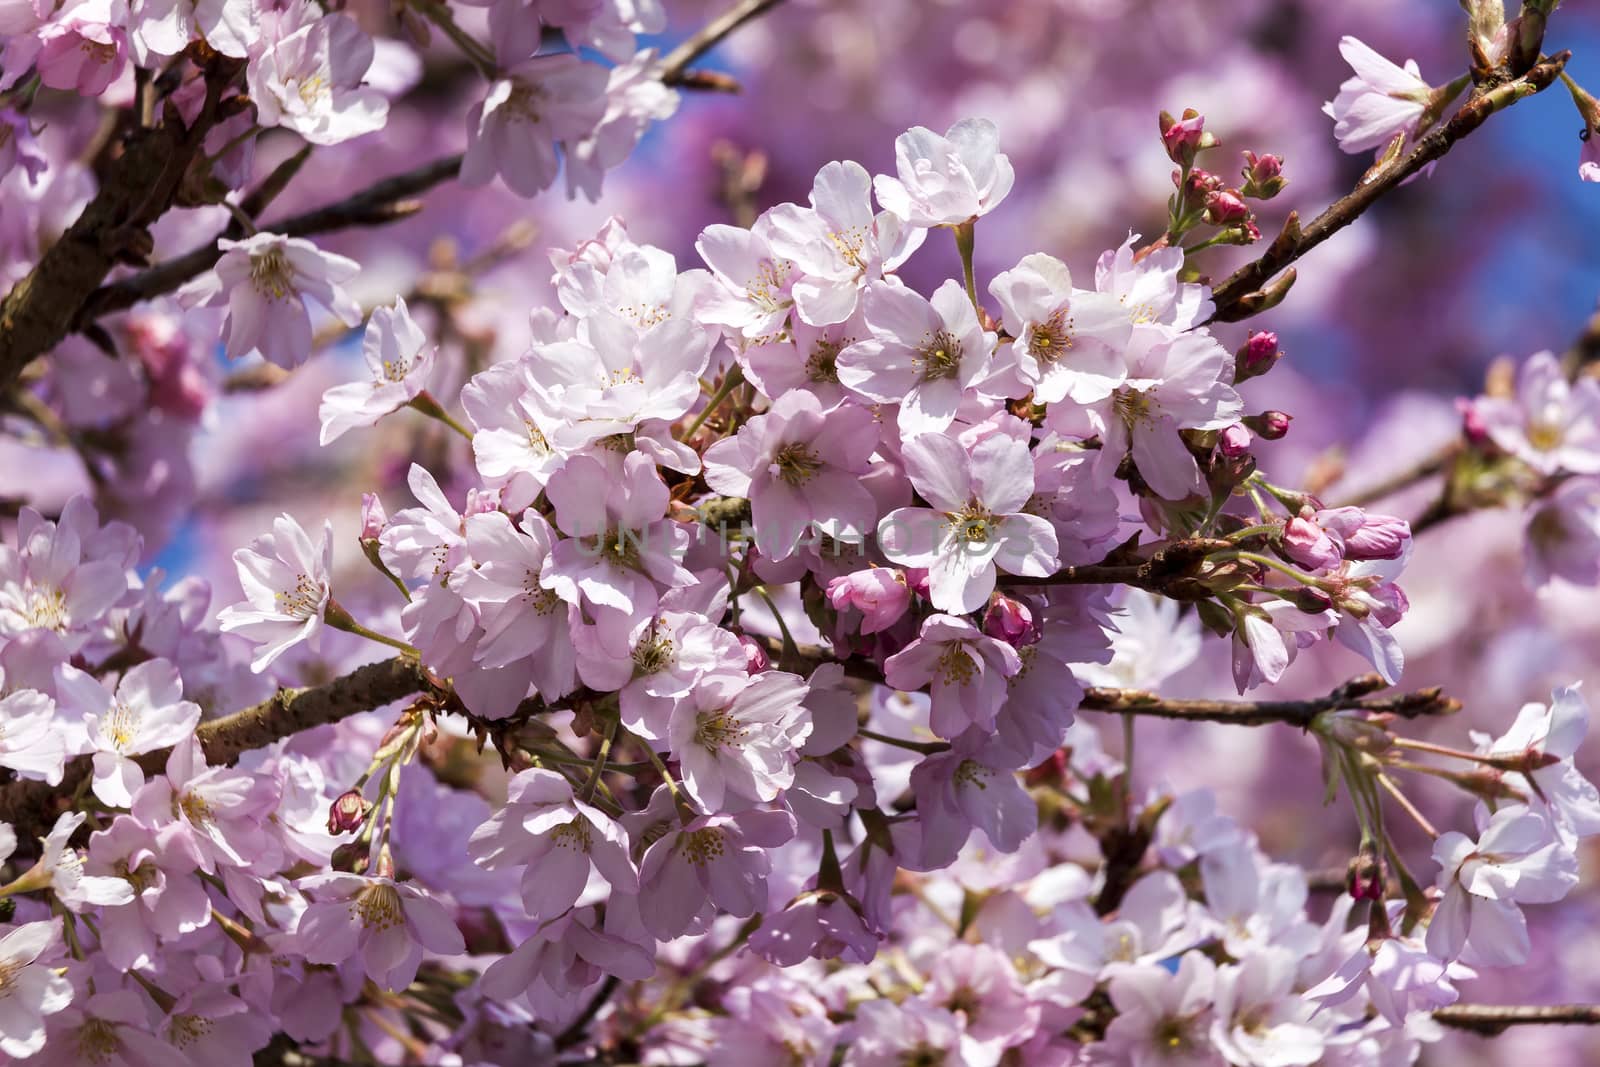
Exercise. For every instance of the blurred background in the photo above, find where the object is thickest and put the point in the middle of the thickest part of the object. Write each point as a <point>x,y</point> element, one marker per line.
<point>1493,255</point>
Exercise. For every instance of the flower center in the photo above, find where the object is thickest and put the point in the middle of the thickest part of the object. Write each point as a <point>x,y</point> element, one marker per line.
<point>97,1042</point>
<point>377,906</point>
<point>850,244</point>
<point>536,438</point>
<point>1132,405</point>
<point>575,836</point>
<point>939,357</point>
<point>121,726</point>
<point>1545,436</point>
<point>44,608</point>
<point>185,1030</point>
<point>302,601</point>
<point>956,667</point>
<point>653,655</point>
<point>1051,339</point>
<point>796,463</point>
<point>765,290</point>
<point>973,524</point>
<point>395,370</point>
<point>272,275</point>
<point>822,365</point>
<point>717,729</point>
<point>700,847</point>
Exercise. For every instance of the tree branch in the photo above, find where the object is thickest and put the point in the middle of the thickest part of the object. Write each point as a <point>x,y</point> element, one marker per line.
<point>379,203</point>
<point>138,188</point>
<point>1240,295</point>
<point>32,806</point>
<point>1431,701</point>
<point>1492,1019</point>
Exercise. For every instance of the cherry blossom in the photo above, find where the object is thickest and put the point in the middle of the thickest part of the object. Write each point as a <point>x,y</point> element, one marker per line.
<point>397,355</point>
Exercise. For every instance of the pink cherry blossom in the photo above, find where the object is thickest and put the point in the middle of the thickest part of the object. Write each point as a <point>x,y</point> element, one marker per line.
<point>977,525</point>
<point>397,354</point>
<point>800,468</point>
<point>264,281</point>
<point>388,924</point>
<point>924,355</point>
<point>945,181</point>
<point>285,580</point>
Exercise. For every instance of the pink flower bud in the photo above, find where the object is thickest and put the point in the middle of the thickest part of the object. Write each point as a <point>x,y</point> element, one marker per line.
<point>881,594</point>
<point>1182,138</point>
<point>1366,536</point>
<point>348,812</point>
<point>1256,356</point>
<point>1263,176</point>
<point>1309,544</point>
<point>1262,168</point>
<point>1234,441</point>
<point>1365,878</point>
<point>1270,425</point>
<point>1472,424</point>
<point>1225,207</point>
<point>373,517</point>
<point>755,655</point>
<point>1010,621</point>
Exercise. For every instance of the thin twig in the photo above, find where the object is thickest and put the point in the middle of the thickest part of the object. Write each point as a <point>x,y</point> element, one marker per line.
<point>1492,1019</point>
<point>676,64</point>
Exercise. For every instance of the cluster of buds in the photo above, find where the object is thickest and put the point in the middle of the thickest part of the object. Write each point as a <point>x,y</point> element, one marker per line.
<point>1204,197</point>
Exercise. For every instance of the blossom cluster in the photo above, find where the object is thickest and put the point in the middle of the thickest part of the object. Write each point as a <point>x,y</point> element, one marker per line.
<point>923,488</point>
<point>725,688</point>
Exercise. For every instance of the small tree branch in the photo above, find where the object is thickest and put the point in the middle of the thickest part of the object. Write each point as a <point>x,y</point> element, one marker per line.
<point>676,65</point>
<point>32,806</point>
<point>1492,1019</point>
<point>381,202</point>
<point>1236,298</point>
<point>1431,701</point>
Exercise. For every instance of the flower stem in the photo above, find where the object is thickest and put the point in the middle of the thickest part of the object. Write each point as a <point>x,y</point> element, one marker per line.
<point>337,617</point>
<point>965,234</point>
<point>730,382</point>
<point>425,403</point>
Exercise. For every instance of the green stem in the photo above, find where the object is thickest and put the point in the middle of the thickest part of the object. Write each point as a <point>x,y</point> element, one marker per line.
<point>440,16</point>
<point>730,382</point>
<point>340,619</point>
<point>425,403</point>
<point>965,237</point>
<point>600,760</point>
<point>927,748</point>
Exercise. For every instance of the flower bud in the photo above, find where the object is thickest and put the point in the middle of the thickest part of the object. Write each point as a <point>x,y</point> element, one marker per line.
<point>1263,176</point>
<point>1366,536</point>
<point>1010,621</point>
<point>755,655</point>
<point>1256,356</point>
<point>1225,208</point>
<point>1309,544</point>
<point>1185,137</point>
<point>348,812</point>
<point>1365,877</point>
<point>879,593</point>
<point>1472,425</point>
<point>373,517</point>
<point>1270,425</point>
<point>1234,441</point>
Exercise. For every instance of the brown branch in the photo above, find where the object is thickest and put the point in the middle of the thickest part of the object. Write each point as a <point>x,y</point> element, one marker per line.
<point>32,806</point>
<point>1492,1019</point>
<point>675,67</point>
<point>1351,696</point>
<point>379,203</point>
<point>137,189</point>
<point>1241,296</point>
<point>1163,572</point>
